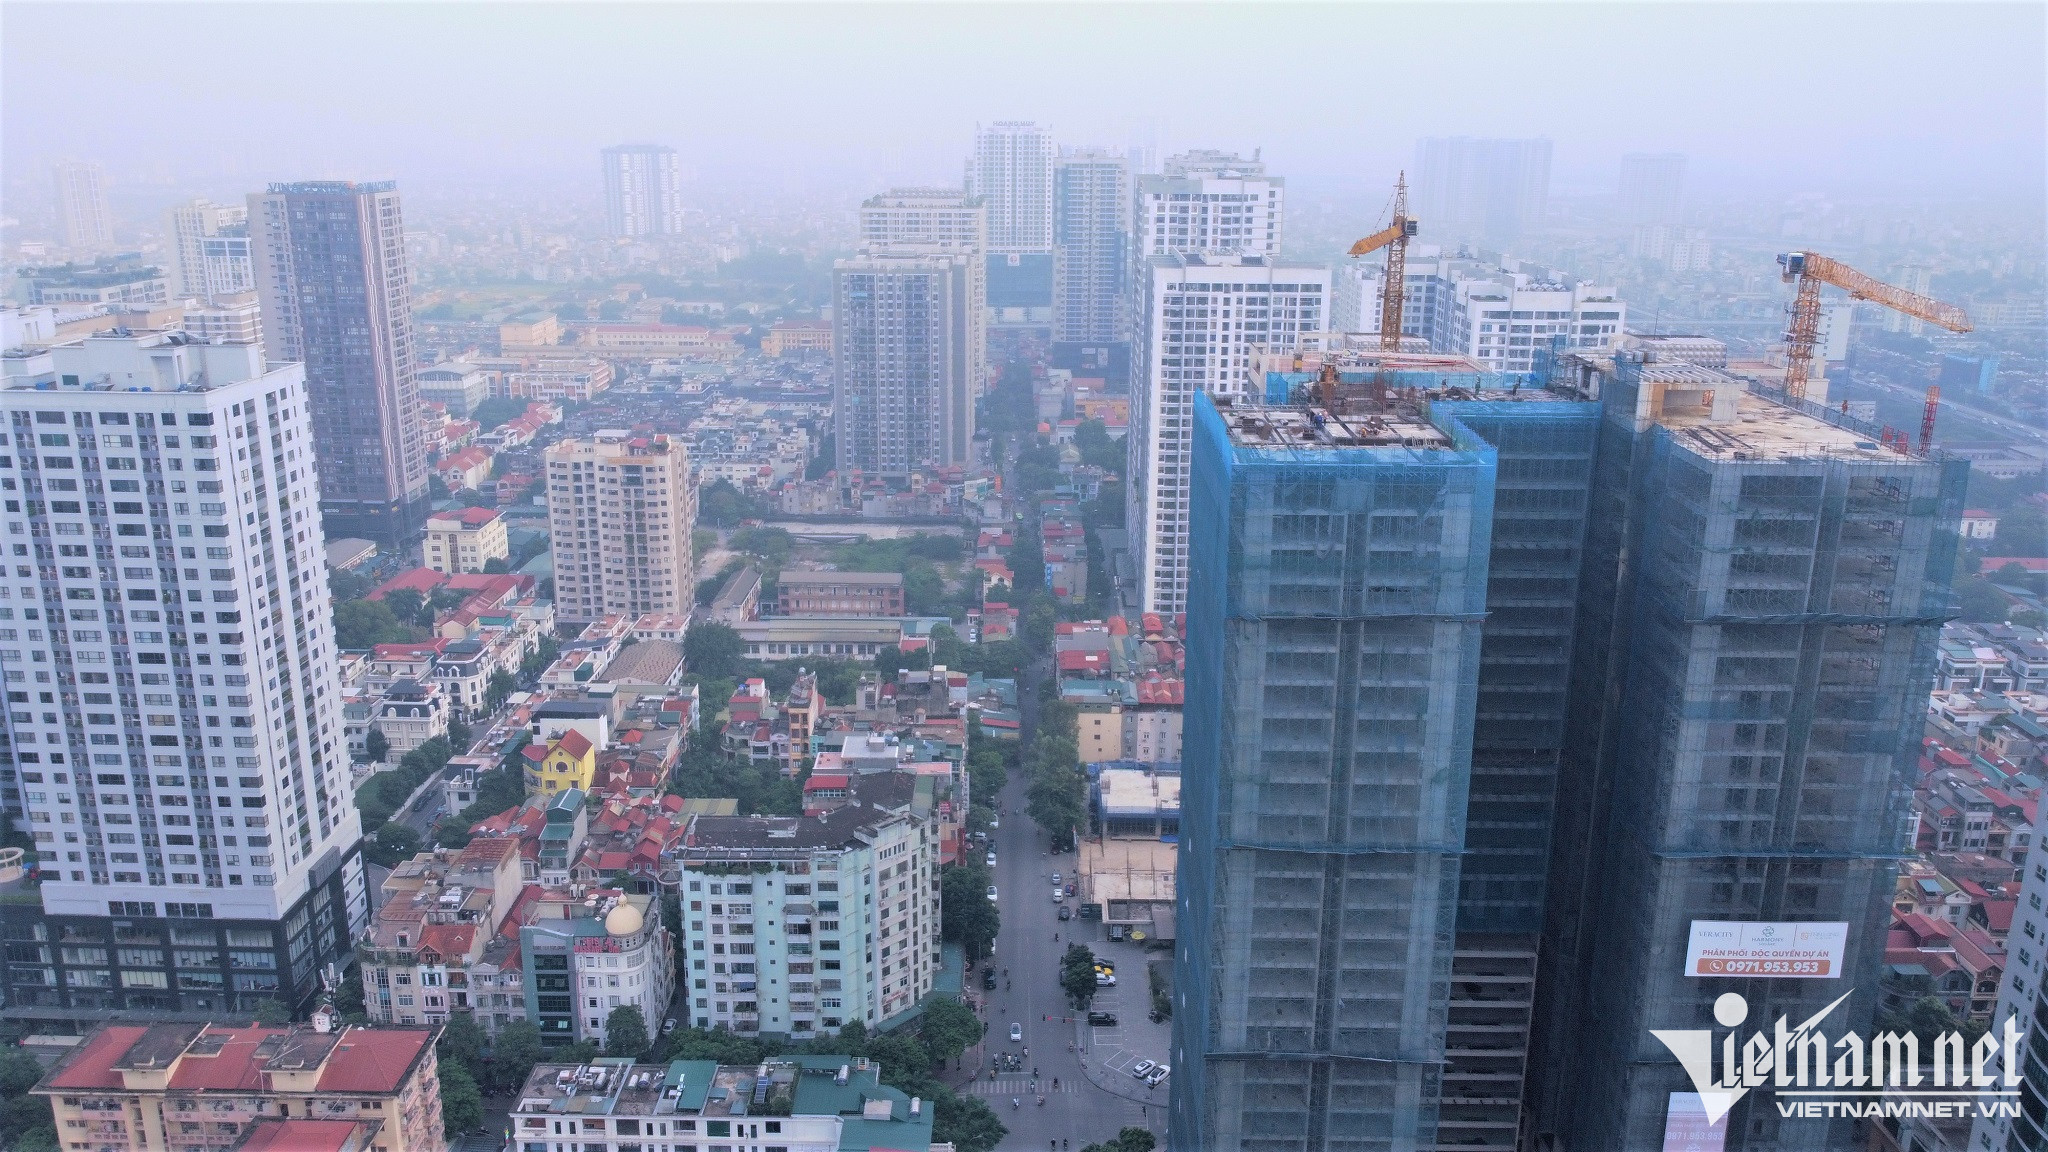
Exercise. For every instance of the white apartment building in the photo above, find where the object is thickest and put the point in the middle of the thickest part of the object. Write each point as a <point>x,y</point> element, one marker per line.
<point>643,190</point>
<point>82,206</point>
<point>621,508</point>
<point>208,249</point>
<point>1091,269</point>
<point>174,717</point>
<point>904,382</point>
<point>2022,994</point>
<point>1495,314</point>
<point>1012,173</point>
<point>1200,318</point>
<point>943,220</point>
<point>614,952</point>
<point>1207,202</point>
<point>800,925</point>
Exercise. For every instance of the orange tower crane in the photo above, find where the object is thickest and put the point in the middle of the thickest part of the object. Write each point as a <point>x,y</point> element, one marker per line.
<point>1394,238</point>
<point>1812,270</point>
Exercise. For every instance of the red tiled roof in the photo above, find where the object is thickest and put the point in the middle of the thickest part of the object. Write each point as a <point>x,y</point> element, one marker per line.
<point>91,1065</point>
<point>298,1136</point>
<point>472,517</point>
<point>420,580</point>
<point>573,742</point>
<point>820,783</point>
<point>374,1060</point>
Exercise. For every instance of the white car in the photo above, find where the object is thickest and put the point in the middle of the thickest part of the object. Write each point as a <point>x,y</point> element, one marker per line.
<point>1153,1078</point>
<point>1058,894</point>
<point>1055,878</point>
<point>991,859</point>
<point>1016,1033</point>
<point>994,823</point>
<point>991,893</point>
<point>1105,979</point>
<point>1143,1066</point>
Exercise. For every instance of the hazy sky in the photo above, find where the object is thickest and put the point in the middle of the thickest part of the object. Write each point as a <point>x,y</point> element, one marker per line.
<point>1776,99</point>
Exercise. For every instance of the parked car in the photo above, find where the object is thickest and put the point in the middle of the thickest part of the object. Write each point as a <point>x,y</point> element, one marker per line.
<point>1058,894</point>
<point>991,857</point>
<point>1105,979</point>
<point>1143,1066</point>
<point>1066,913</point>
<point>992,893</point>
<point>1116,932</point>
<point>1055,879</point>
<point>668,1026</point>
<point>1153,1077</point>
<point>1016,1033</point>
<point>988,978</point>
<point>1070,887</point>
<point>1102,1019</point>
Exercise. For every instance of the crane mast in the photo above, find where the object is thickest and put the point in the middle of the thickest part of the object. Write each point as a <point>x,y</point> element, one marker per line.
<point>1393,287</point>
<point>1811,270</point>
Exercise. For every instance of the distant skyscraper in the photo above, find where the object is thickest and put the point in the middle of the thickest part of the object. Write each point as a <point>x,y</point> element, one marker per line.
<point>209,250</point>
<point>1491,191</point>
<point>944,220</point>
<point>621,511</point>
<point>330,267</point>
<point>82,206</point>
<point>643,190</point>
<point>1012,171</point>
<point>1199,320</point>
<point>902,402</point>
<point>1913,278</point>
<point>1091,247</point>
<point>1652,188</point>
<point>184,779</point>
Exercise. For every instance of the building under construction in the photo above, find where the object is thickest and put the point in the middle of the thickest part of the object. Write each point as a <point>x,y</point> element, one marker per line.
<point>1494,688</point>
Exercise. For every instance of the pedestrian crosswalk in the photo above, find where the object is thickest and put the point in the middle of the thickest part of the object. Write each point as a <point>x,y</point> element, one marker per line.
<point>1018,1086</point>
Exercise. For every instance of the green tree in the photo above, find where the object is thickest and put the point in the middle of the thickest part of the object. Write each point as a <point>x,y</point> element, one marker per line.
<point>459,737</point>
<point>1130,1139</point>
<point>461,1041</point>
<point>392,844</point>
<point>497,410</point>
<point>363,623</point>
<point>462,1104</point>
<point>722,504</point>
<point>1098,448</point>
<point>1980,602</point>
<point>1077,974</point>
<point>1058,799</point>
<point>948,1028</point>
<point>967,916</point>
<point>625,1032</point>
<point>965,1122</point>
<point>405,605</point>
<point>514,1052</point>
<point>713,650</point>
<point>581,1052</point>
<point>272,1013</point>
<point>498,689</point>
<point>348,995</point>
<point>376,746</point>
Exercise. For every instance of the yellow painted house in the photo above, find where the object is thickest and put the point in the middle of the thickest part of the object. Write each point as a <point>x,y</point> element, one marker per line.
<point>568,761</point>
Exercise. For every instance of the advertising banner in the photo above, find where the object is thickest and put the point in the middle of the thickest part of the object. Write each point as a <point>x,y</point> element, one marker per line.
<point>1769,949</point>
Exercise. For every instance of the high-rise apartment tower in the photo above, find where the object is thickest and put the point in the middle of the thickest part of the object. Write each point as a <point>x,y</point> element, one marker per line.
<point>903,400</point>
<point>82,207</point>
<point>174,730</point>
<point>908,221</point>
<point>621,510</point>
<point>209,250</point>
<point>1490,191</point>
<point>337,298</point>
<point>643,190</point>
<point>1091,258</point>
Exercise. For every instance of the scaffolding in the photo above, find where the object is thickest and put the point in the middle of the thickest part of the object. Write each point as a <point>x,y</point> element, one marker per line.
<point>1778,587</point>
<point>1334,624</point>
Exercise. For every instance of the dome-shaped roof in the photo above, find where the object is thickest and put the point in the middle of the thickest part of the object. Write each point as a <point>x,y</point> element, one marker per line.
<point>623,920</point>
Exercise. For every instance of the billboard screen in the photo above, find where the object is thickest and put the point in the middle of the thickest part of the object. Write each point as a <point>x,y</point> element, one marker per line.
<point>1771,949</point>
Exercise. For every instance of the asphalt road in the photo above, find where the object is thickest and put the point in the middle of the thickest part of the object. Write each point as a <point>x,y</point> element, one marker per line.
<point>1078,1111</point>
